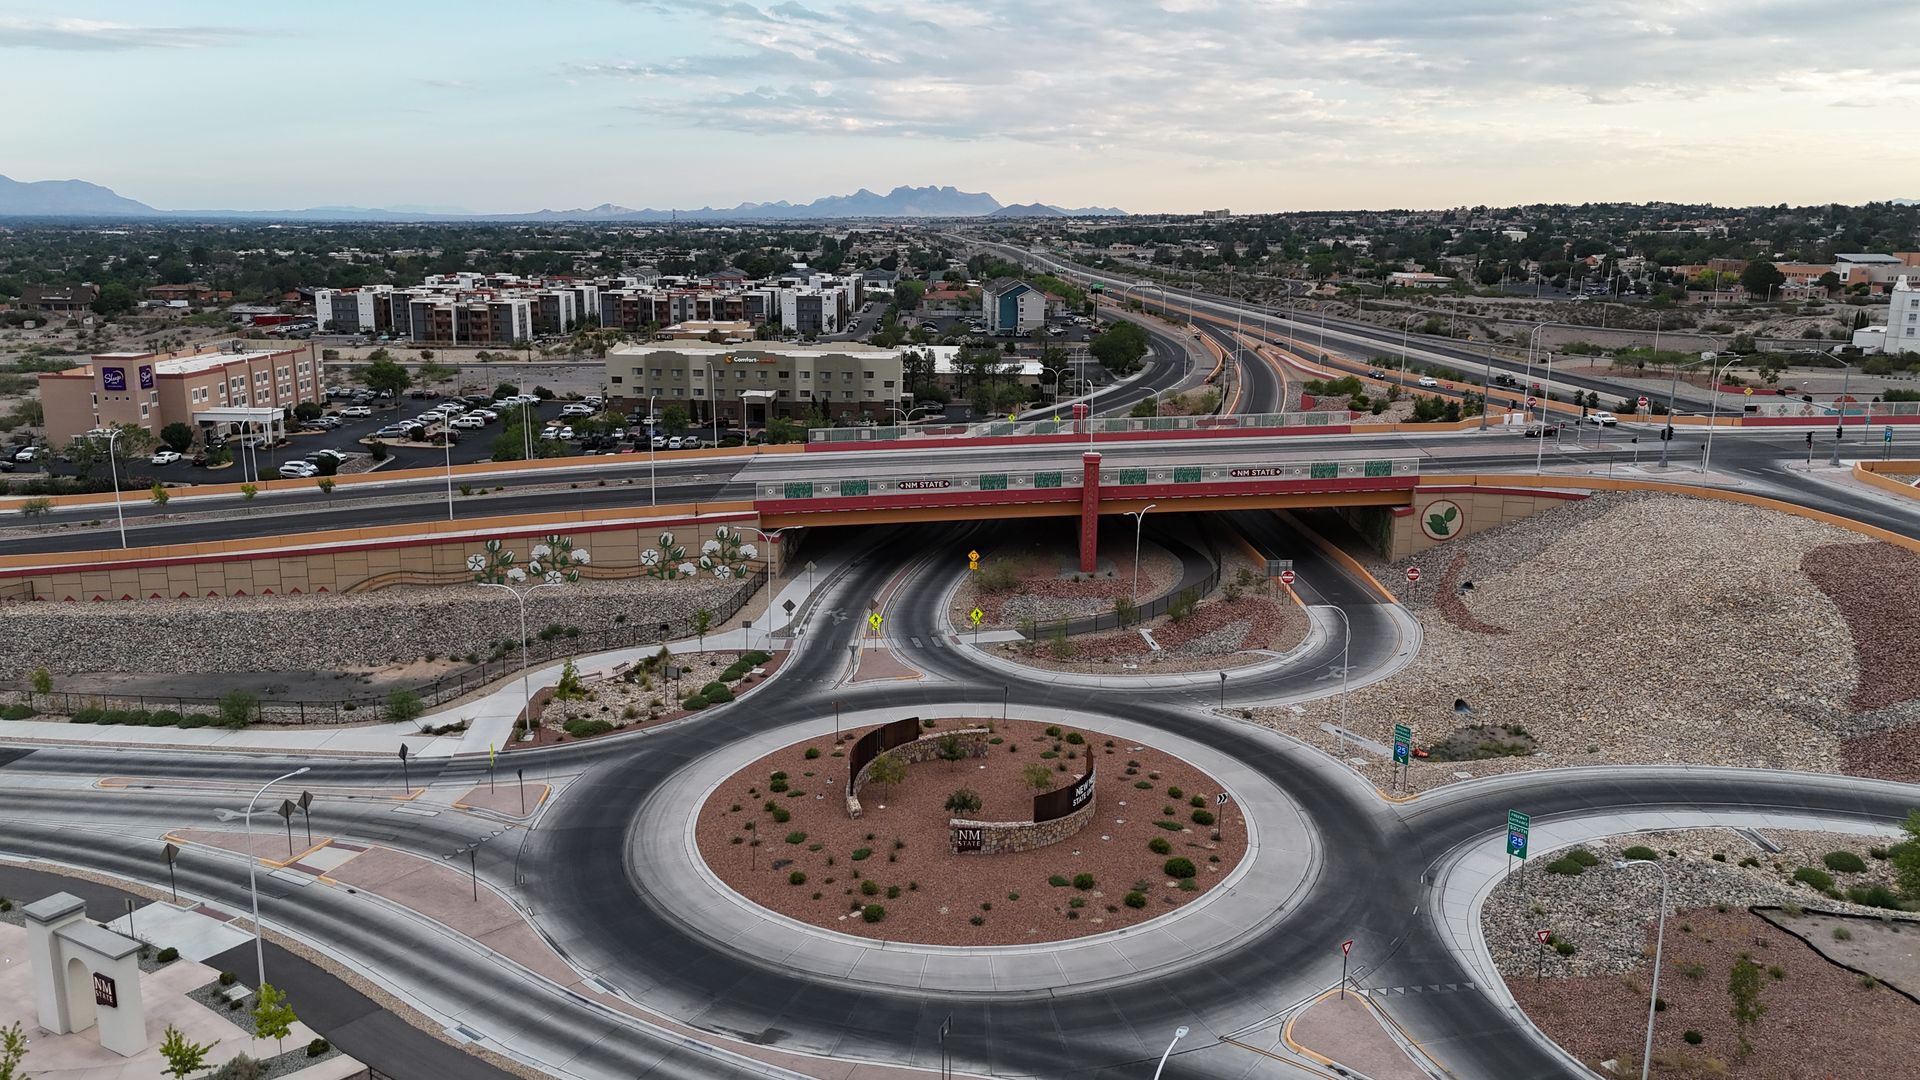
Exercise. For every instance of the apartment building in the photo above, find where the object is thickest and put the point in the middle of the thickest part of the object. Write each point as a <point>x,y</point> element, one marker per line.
<point>748,384</point>
<point>1012,307</point>
<point>152,390</point>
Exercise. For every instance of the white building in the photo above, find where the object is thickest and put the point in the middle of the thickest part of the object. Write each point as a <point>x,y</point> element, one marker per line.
<point>1903,316</point>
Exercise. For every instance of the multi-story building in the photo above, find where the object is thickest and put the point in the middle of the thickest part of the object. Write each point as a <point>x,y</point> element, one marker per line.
<point>1903,316</point>
<point>152,390</point>
<point>747,384</point>
<point>1012,307</point>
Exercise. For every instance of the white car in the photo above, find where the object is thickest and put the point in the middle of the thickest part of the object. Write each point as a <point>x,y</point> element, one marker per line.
<point>357,410</point>
<point>678,442</point>
<point>164,457</point>
<point>299,470</point>
<point>27,454</point>
<point>565,432</point>
<point>485,414</point>
<point>577,410</point>
<point>1428,380</point>
<point>1603,419</point>
<point>467,423</point>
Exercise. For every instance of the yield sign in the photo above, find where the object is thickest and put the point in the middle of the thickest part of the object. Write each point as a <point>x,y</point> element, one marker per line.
<point>1346,947</point>
<point>1543,936</point>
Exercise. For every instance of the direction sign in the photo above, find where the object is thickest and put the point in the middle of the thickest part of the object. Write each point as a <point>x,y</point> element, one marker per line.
<point>1286,577</point>
<point>1346,947</point>
<point>1518,826</point>
<point>1413,574</point>
<point>1887,435</point>
<point>874,620</point>
<point>1543,936</point>
<point>1644,402</point>
<point>1402,743</point>
<point>975,616</point>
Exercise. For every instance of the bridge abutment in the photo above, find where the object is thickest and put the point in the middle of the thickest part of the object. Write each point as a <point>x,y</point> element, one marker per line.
<point>1089,512</point>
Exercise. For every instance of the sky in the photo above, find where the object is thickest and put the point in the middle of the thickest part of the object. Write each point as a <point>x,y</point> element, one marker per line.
<point>1168,106</point>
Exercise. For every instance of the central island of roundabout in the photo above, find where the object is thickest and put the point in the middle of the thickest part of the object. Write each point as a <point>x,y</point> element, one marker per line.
<point>948,851</point>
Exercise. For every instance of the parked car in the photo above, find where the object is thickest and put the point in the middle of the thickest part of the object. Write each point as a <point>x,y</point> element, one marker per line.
<point>356,411</point>
<point>581,409</point>
<point>680,442</point>
<point>1602,419</point>
<point>487,415</point>
<point>334,454</point>
<point>1428,380</point>
<point>661,442</point>
<point>395,431</point>
<point>29,453</point>
<point>164,457</point>
<point>299,470</point>
<point>468,422</point>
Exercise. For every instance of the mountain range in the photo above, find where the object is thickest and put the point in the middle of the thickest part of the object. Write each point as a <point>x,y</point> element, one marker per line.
<point>80,199</point>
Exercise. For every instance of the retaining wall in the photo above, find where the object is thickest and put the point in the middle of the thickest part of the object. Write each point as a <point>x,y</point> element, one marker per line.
<point>1000,837</point>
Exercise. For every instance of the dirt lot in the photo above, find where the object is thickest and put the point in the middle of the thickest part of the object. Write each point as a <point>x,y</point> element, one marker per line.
<point>933,896</point>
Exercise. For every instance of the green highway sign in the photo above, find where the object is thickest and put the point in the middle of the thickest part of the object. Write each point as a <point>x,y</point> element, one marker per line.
<point>1518,826</point>
<point>1402,743</point>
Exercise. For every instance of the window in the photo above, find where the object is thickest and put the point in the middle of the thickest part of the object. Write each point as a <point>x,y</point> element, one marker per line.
<point>616,380</point>
<point>784,374</point>
<point>656,373</point>
<point>679,391</point>
<point>805,375</point>
<point>869,374</point>
<point>699,391</point>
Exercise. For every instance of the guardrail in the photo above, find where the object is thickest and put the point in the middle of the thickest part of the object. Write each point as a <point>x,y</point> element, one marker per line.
<point>1115,476</point>
<point>1109,425</point>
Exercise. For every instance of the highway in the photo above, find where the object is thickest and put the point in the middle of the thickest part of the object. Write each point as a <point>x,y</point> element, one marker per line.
<point>1370,881</point>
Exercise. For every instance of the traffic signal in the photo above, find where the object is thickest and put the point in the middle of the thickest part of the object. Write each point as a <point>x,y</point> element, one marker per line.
<point>1809,440</point>
<point>1666,433</point>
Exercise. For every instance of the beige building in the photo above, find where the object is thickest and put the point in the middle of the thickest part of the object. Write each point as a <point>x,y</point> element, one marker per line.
<point>152,390</point>
<point>749,383</point>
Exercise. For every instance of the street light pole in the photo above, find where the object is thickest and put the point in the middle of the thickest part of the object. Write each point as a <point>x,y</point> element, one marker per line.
<point>520,597</point>
<point>653,425</point>
<point>1706,456</point>
<point>1540,453</point>
<point>113,470</point>
<point>1404,323</point>
<point>253,876</point>
<point>1840,423</point>
<point>1139,519</point>
<point>446,443</point>
<point>1659,941</point>
<point>1178,1034</point>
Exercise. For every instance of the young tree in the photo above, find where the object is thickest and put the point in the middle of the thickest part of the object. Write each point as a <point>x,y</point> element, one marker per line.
<point>701,620</point>
<point>674,418</point>
<point>158,494</point>
<point>272,1016</point>
<point>430,373</point>
<point>887,771</point>
<point>1743,986</point>
<point>951,750</point>
<point>384,374</point>
<point>1037,776</point>
<point>184,1056</point>
<point>13,1048</point>
<point>177,436</point>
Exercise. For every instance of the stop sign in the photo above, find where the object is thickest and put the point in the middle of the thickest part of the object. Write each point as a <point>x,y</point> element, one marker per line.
<point>1286,577</point>
<point>1644,402</point>
<point>1413,574</point>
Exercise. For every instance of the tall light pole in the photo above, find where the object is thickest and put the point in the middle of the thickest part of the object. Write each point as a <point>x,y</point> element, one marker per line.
<point>1404,323</point>
<point>113,470</point>
<point>1178,1034</point>
<point>768,537</point>
<point>1673,385</point>
<point>1540,453</point>
<point>1706,456</point>
<point>1533,336</point>
<point>653,425</point>
<point>1659,940</point>
<point>253,877</point>
<point>1840,423</point>
<point>446,443</point>
<point>520,596</point>
<point>1139,518</point>
<point>1346,643</point>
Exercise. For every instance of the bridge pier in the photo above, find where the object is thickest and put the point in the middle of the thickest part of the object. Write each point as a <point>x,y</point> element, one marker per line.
<point>1089,512</point>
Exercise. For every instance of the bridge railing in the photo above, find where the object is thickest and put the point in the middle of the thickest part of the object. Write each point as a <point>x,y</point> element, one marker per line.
<point>1113,476</point>
<point>1105,425</point>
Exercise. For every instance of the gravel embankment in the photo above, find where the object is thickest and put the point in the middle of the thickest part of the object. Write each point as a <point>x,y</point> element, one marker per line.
<point>325,633</point>
<point>1625,629</point>
<point>1050,587</point>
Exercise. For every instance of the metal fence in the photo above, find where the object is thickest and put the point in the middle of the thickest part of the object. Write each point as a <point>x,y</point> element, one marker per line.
<point>1108,425</point>
<point>451,687</point>
<point>1111,620</point>
<point>1110,476</point>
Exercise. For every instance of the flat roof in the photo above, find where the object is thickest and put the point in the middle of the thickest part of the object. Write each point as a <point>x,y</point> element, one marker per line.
<point>189,365</point>
<point>751,352</point>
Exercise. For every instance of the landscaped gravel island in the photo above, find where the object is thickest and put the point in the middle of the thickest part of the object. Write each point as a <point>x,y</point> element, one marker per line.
<point>1645,629</point>
<point>1157,839</point>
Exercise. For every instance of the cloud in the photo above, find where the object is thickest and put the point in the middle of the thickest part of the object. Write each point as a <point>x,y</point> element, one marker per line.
<point>92,35</point>
<point>1240,80</point>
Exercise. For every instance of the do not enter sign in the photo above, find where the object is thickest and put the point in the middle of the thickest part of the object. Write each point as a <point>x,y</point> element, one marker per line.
<point>1413,574</point>
<point>1644,402</point>
<point>1286,577</point>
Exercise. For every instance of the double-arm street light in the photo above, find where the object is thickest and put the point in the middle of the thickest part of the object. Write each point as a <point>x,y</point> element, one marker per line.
<point>1713,415</point>
<point>1840,422</point>
<point>1659,940</point>
<point>520,595</point>
<point>1139,518</point>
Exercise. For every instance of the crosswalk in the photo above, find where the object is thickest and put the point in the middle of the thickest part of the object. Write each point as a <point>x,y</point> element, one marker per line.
<point>1430,988</point>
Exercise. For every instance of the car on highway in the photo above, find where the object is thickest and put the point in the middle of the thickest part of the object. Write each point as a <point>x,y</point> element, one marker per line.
<point>356,411</point>
<point>1602,419</point>
<point>164,457</point>
<point>299,470</point>
<point>1428,380</point>
<point>1504,379</point>
<point>1376,373</point>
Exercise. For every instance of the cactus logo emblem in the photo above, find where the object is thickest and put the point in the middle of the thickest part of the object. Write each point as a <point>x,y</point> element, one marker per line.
<point>1442,519</point>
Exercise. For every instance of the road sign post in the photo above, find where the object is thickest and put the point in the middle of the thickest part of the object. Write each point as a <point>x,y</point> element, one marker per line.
<point>1287,578</point>
<point>1346,949</point>
<point>405,777</point>
<point>1402,751</point>
<point>1644,403</point>
<point>973,560</point>
<point>1413,575</point>
<point>1545,938</point>
<point>172,852</point>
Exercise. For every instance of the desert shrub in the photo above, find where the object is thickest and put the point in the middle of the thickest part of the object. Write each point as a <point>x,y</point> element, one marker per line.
<point>1083,882</point>
<point>167,955</point>
<point>860,854</point>
<point>1818,879</point>
<point>1566,866</point>
<point>1640,853</point>
<point>1203,817</point>
<point>812,752</point>
<point>873,913</point>
<point>1874,896</point>
<point>1179,867</point>
<point>869,887</point>
<point>1135,900</point>
<point>317,1047</point>
<point>1058,881</point>
<point>581,727</point>
<point>798,877</point>
<point>1159,845</point>
<point>1693,1037</point>
<point>1843,862</point>
<point>796,837</point>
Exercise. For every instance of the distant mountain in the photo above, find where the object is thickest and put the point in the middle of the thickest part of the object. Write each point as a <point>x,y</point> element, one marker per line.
<point>66,198</point>
<point>76,198</point>
<point>1043,210</point>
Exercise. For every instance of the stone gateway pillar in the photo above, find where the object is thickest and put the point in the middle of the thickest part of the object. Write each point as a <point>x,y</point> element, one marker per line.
<point>1089,512</point>
<point>85,974</point>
